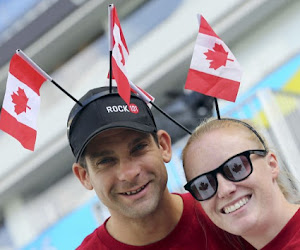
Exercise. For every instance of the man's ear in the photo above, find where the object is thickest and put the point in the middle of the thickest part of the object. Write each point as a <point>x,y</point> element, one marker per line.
<point>164,141</point>
<point>273,163</point>
<point>83,176</point>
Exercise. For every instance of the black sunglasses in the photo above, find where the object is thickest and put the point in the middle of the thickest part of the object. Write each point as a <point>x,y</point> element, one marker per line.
<point>236,168</point>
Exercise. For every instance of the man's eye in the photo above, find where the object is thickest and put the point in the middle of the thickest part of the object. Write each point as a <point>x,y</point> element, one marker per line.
<point>106,161</point>
<point>139,147</point>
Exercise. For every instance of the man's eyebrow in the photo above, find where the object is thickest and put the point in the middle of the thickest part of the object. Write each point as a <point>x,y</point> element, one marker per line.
<point>95,155</point>
<point>138,139</point>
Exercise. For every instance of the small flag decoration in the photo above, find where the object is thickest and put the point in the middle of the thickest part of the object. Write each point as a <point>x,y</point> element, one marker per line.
<point>120,54</point>
<point>21,102</point>
<point>214,71</point>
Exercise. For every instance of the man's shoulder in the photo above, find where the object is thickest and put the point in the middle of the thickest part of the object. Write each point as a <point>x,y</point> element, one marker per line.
<point>184,196</point>
<point>189,201</point>
<point>92,241</point>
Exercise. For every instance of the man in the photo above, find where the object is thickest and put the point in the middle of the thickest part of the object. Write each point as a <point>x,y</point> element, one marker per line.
<point>121,155</point>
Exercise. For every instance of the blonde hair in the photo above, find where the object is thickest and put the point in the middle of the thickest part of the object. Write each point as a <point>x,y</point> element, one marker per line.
<point>212,124</point>
<point>284,179</point>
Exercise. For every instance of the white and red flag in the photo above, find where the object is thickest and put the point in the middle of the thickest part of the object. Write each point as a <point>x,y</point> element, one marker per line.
<point>143,94</point>
<point>214,70</point>
<point>120,54</point>
<point>21,102</point>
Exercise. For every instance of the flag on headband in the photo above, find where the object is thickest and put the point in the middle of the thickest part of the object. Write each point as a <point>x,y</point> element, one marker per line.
<point>214,71</point>
<point>119,56</point>
<point>21,102</point>
<point>143,94</point>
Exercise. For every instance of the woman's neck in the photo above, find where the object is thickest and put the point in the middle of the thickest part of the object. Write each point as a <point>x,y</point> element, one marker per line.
<point>269,229</point>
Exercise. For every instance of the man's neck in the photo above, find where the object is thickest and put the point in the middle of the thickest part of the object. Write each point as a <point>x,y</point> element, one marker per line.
<point>149,229</point>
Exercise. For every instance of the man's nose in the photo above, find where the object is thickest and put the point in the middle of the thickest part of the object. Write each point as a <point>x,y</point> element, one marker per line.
<point>128,170</point>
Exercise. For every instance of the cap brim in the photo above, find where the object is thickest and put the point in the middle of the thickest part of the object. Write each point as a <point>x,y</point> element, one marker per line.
<point>120,124</point>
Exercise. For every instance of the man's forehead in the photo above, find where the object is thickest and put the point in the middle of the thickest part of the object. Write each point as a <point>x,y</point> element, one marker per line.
<point>117,135</point>
<point>116,139</point>
<point>120,132</point>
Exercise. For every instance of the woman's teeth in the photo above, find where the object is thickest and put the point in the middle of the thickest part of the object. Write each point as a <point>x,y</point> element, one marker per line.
<point>236,206</point>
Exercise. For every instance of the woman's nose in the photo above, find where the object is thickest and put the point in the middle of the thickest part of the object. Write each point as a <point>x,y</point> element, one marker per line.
<point>225,187</point>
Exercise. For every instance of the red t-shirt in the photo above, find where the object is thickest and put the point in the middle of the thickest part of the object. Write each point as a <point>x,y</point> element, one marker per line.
<point>289,237</point>
<point>193,231</point>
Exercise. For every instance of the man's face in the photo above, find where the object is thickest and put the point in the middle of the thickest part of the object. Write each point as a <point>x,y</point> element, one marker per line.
<point>126,169</point>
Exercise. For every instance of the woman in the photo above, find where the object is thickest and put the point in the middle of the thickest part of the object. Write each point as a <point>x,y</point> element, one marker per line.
<point>232,172</point>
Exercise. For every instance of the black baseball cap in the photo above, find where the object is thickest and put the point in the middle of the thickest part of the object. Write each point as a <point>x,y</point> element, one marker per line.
<point>102,110</point>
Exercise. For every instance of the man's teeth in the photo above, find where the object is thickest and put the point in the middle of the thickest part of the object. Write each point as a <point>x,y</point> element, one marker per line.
<point>236,206</point>
<point>135,191</point>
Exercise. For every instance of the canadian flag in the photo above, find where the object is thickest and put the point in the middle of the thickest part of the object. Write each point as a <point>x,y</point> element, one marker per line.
<point>21,102</point>
<point>119,57</point>
<point>214,70</point>
<point>204,187</point>
<point>143,94</point>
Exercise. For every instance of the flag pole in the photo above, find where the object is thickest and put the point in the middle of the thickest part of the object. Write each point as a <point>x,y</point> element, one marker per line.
<point>110,43</point>
<point>217,108</point>
<point>43,73</point>
<point>172,119</point>
<point>148,100</point>
<point>140,93</point>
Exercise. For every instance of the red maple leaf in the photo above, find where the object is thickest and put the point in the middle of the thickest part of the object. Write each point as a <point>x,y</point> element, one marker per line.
<point>20,100</point>
<point>218,56</point>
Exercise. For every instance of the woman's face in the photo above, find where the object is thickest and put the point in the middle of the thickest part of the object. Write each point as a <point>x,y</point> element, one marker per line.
<point>241,207</point>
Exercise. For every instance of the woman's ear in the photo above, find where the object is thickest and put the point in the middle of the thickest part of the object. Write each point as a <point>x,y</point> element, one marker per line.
<point>164,141</point>
<point>273,163</point>
<point>83,176</point>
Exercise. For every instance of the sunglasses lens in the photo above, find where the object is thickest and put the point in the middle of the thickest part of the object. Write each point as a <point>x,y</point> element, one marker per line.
<point>237,168</point>
<point>204,187</point>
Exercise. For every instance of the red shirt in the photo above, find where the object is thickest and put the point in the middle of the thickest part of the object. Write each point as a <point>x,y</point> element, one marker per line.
<point>289,237</point>
<point>193,231</point>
